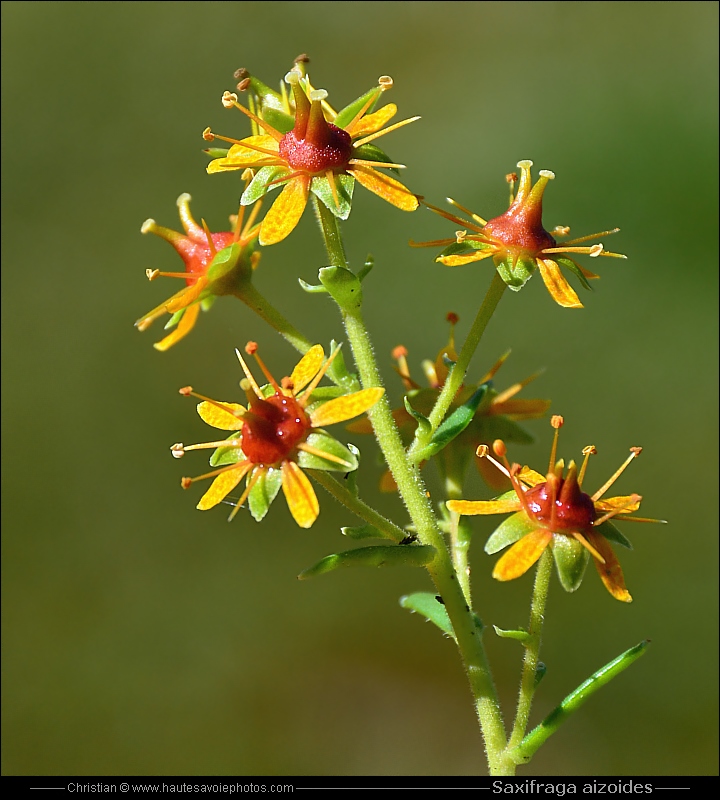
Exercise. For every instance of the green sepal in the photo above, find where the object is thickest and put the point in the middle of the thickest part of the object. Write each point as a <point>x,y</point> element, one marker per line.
<point>228,260</point>
<point>612,534</point>
<point>510,530</point>
<point>328,444</point>
<point>540,671</point>
<point>264,492</point>
<point>348,114</point>
<point>280,120</point>
<point>519,635</point>
<point>216,152</point>
<point>321,394</point>
<point>454,425</point>
<point>463,248</point>
<point>375,556</point>
<point>371,152</point>
<point>225,456</point>
<point>515,273</point>
<point>425,603</point>
<point>176,317</point>
<point>258,186</point>
<point>571,560</point>
<point>206,302</point>
<point>362,532</point>
<point>339,373</point>
<point>423,422</point>
<point>343,285</point>
<point>366,268</point>
<point>312,288</point>
<point>568,263</point>
<point>268,97</point>
<point>345,184</point>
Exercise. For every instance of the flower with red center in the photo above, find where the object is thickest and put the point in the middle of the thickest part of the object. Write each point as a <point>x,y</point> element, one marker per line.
<point>215,264</point>
<point>323,153</point>
<point>276,436</point>
<point>553,511</point>
<point>518,243</point>
<point>497,416</point>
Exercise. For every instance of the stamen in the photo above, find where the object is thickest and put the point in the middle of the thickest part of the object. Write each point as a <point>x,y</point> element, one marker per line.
<point>251,349</point>
<point>385,82</point>
<point>386,164</point>
<point>591,236</point>
<point>151,274</point>
<point>249,376</point>
<point>249,146</point>
<point>185,482</point>
<point>434,243</point>
<point>633,500</point>
<point>310,388</point>
<point>511,179</point>
<point>229,100</point>
<point>561,230</point>
<point>490,374</point>
<point>257,472</point>
<point>211,244</point>
<point>354,121</point>
<point>377,134</point>
<point>588,451</point>
<point>322,454</point>
<point>178,450</point>
<point>557,422</point>
<point>483,451</point>
<point>330,175</point>
<point>584,542</point>
<point>634,453</point>
<point>452,217</point>
<point>147,226</point>
<point>516,387</point>
<point>467,211</point>
<point>187,391</point>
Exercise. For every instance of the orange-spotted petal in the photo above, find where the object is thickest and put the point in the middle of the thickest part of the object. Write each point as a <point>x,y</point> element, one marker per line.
<point>610,572</point>
<point>471,508</point>
<point>186,324</point>
<point>225,482</point>
<point>225,418</point>
<point>346,407</point>
<point>522,555</point>
<point>307,368</point>
<point>300,495</point>
<point>373,122</point>
<point>384,186</point>
<point>560,290</point>
<point>465,258</point>
<point>239,157</point>
<point>285,212</point>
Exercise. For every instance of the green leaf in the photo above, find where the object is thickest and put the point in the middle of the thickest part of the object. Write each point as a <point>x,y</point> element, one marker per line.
<point>568,263</point>
<point>328,444</point>
<point>454,425</point>
<point>422,421</point>
<point>344,184</point>
<point>264,492</point>
<point>339,373</point>
<point>519,635</point>
<point>176,317</point>
<point>425,603</point>
<point>258,186</point>
<point>348,114</point>
<point>366,267</point>
<point>312,288</point>
<point>227,455</point>
<point>343,285</point>
<point>612,534</point>
<point>362,532</point>
<point>571,560</point>
<point>510,530</point>
<point>374,556</point>
<point>216,152</point>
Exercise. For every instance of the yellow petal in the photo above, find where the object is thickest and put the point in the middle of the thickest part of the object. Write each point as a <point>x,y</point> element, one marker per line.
<point>531,478</point>
<point>239,157</point>
<point>471,508</point>
<point>300,495</point>
<point>560,290</point>
<point>307,368</point>
<point>625,503</point>
<point>224,484</point>
<point>186,324</point>
<point>384,186</point>
<point>466,258</point>
<point>373,122</point>
<point>341,408</point>
<point>223,418</point>
<point>522,555</point>
<point>285,212</point>
<point>610,572</point>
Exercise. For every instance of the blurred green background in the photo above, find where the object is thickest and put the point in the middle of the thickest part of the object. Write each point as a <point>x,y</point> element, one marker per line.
<point>142,636</point>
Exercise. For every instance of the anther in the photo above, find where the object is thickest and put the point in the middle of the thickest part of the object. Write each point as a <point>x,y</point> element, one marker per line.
<point>595,250</point>
<point>460,236</point>
<point>287,383</point>
<point>482,451</point>
<point>229,99</point>
<point>178,450</point>
<point>247,175</point>
<point>399,352</point>
<point>186,391</point>
<point>251,348</point>
<point>151,274</point>
<point>185,482</point>
<point>636,451</point>
<point>303,58</point>
<point>561,230</point>
<point>590,450</point>
<point>557,421</point>
<point>243,85</point>
<point>240,74</point>
<point>147,226</point>
<point>385,82</point>
<point>452,318</point>
<point>511,177</point>
<point>208,135</point>
<point>499,448</point>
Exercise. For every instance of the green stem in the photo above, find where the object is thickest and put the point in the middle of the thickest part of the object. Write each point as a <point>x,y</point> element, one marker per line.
<point>532,648</point>
<point>412,491</point>
<point>460,535</point>
<point>457,373</point>
<point>357,506</point>
<point>263,308</point>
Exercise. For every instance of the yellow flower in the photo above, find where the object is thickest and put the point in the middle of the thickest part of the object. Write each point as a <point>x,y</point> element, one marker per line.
<point>276,436</point>
<point>518,243</point>
<point>215,264</point>
<point>322,153</point>
<point>552,511</point>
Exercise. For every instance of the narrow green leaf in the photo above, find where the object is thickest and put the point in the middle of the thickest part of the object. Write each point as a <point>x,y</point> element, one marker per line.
<point>539,735</point>
<point>312,288</point>
<point>422,421</point>
<point>176,317</point>
<point>612,534</point>
<point>568,263</point>
<point>351,477</point>
<point>216,152</point>
<point>366,267</point>
<point>425,603</point>
<point>519,635</point>
<point>362,532</point>
<point>374,556</point>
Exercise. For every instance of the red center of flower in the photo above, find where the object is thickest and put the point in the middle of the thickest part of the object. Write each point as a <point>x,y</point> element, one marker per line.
<point>317,154</point>
<point>573,510</point>
<point>272,428</point>
<point>521,228</point>
<point>196,253</point>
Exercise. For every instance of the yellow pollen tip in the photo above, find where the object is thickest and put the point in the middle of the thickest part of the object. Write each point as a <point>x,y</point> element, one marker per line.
<point>561,230</point>
<point>460,236</point>
<point>385,82</point>
<point>636,451</point>
<point>228,99</point>
<point>482,451</point>
<point>557,421</point>
<point>185,482</point>
<point>399,352</point>
<point>511,177</point>
<point>251,348</point>
<point>151,274</point>
<point>525,164</point>
<point>186,391</point>
<point>147,226</point>
<point>178,450</point>
<point>208,135</point>
<point>595,250</point>
<point>590,450</point>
